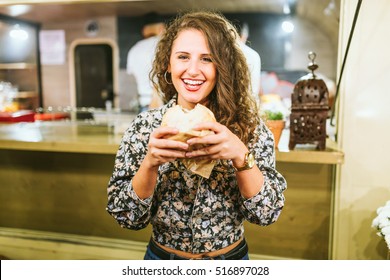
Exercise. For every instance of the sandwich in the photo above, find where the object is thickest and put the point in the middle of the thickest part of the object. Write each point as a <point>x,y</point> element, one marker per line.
<point>184,120</point>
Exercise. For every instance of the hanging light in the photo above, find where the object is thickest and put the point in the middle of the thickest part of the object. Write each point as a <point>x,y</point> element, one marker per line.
<point>287,26</point>
<point>18,33</point>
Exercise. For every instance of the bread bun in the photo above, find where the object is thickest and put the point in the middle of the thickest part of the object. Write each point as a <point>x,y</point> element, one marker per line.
<point>185,120</point>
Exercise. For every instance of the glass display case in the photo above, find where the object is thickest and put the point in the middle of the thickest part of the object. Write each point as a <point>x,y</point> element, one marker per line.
<point>20,82</point>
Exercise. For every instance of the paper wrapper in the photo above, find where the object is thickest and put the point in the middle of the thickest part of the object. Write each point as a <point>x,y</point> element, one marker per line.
<point>202,167</point>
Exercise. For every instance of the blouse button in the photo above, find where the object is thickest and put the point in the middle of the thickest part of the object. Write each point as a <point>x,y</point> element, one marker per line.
<point>192,196</point>
<point>199,221</point>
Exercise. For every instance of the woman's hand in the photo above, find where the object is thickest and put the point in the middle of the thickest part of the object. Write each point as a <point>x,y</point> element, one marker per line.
<point>224,144</point>
<point>161,149</point>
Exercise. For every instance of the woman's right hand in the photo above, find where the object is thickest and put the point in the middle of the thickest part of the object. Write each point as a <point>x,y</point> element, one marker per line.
<point>161,149</point>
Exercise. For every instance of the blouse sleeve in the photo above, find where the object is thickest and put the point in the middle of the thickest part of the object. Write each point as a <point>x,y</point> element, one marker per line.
<point>265,207</point>
<point>123,203</point>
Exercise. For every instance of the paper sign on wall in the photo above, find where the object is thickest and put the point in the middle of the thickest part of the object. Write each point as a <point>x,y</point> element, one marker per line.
<point>52,47</point>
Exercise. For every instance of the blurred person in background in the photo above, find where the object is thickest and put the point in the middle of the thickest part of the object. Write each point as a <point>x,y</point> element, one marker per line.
<point>253,60</point>
<point>140,58</point>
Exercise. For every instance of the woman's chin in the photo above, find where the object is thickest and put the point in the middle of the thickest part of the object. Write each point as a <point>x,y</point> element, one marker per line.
<point>191,99</point>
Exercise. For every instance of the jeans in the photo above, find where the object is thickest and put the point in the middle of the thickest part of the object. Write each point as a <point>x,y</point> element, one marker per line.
<point>149,255</point>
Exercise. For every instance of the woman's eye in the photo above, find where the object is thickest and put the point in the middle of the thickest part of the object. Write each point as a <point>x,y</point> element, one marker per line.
<point>183,56</point>
<point>207,59</point>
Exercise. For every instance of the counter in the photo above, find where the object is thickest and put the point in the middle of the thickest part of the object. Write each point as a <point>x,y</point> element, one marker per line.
<point>81,137</point>
<point>62,136</point>
<point>54,175</point>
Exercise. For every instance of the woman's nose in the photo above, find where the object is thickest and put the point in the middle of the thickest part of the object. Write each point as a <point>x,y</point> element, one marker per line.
<point>193,68</point>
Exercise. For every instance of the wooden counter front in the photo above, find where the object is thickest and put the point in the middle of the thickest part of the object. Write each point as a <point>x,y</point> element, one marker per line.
<point>53,177</point>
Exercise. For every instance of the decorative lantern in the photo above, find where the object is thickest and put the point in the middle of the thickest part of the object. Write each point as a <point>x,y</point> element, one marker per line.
<point>309,109</point>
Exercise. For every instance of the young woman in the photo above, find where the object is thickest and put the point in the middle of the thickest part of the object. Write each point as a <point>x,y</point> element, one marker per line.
<point>198,61</point>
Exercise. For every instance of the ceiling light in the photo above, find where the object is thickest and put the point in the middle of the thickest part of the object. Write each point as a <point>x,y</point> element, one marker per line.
<point>287,26</point>
<point>17,10</point>
<point>286,8</point>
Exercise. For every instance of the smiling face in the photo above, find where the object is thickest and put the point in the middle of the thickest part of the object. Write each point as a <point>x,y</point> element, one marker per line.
<point>192,69</point>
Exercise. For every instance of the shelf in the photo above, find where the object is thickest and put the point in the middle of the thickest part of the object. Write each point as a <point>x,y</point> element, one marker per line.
<point>17,66</point>
<point>308,153</point>
<point>26,94</point>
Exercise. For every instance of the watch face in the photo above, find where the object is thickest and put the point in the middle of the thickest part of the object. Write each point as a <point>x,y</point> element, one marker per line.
<point>251,160</point>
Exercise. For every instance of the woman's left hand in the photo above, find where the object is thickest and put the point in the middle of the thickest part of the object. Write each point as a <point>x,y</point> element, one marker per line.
<point>224,144</point>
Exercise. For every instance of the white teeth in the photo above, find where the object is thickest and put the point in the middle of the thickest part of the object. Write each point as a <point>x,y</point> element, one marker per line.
<point>192,82</point>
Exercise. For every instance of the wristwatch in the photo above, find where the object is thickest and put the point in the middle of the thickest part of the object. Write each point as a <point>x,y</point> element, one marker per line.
<point>249,162</point>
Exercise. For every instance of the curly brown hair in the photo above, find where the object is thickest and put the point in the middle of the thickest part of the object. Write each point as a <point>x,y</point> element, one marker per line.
<point>231,100</point>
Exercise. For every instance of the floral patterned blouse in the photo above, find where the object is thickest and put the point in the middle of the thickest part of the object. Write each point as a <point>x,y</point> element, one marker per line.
<point>189,212</point>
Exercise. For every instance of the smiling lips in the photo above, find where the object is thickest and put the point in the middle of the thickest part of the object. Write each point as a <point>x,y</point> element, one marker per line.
<point>192,84</point>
